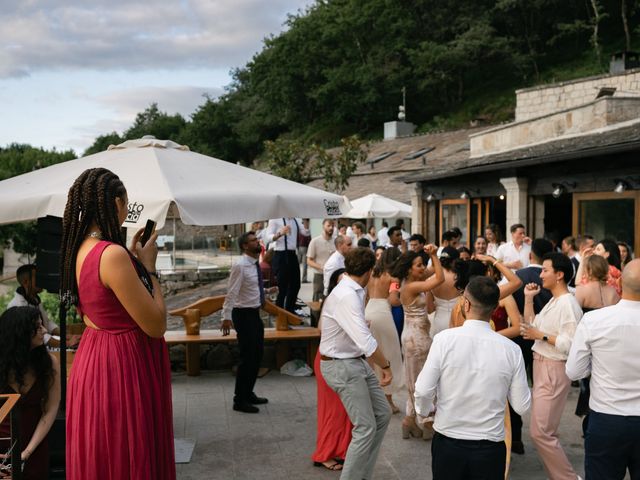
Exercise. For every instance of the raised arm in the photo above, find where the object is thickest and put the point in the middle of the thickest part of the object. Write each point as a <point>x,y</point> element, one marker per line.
<point>514,316</point>
<point>513,282</point>
<point>118,273</point>
<point>414,288</point>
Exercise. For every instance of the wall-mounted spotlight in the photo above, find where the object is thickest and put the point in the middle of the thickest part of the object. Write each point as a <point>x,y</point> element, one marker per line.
<point>501,197</point>
<point>431,197</point>
<point>560,188</point>
<point>621,186</point>
<point>468,193</point>
<point>464,195</point>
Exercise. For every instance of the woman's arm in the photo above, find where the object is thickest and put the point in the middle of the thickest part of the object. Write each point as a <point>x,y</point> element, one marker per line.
<point>431,304</point>
<point>118,274</point>
<point>581,295</point>
<point>514,316</point>
<point>414,288</point>
<point>49,414</point>
<point>513,281</point>
<point>394,293</point>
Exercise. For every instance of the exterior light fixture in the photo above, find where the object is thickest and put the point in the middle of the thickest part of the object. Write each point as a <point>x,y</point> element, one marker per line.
<point>501,197</point>
<point>431,197</point>
<point>621,186</point>
<point>464,195</point>
<point>560,188</point>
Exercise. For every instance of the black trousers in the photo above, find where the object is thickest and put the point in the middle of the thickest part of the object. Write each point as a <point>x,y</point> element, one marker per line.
<point>467,459</point>
<point>527,355</point>
<point>250,331</point>
<point>287,270</point>
<point>611,446</point>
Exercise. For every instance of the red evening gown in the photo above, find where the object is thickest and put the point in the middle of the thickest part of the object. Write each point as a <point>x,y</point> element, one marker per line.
<point>334,426</point>
<point>119,415</point>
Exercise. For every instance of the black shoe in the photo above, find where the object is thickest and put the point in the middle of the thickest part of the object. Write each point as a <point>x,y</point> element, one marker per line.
<point>255,400</point>
<point>517,447</point>
<point>245,407</point>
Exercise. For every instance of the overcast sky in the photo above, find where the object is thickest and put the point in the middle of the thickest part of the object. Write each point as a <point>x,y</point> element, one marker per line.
<point>71,70</point>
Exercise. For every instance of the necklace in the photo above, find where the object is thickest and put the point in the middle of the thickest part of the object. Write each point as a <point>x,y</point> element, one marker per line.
<point>97,235</point>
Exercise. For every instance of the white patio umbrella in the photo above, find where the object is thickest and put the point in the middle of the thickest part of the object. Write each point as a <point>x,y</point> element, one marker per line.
<point>377,206</point>
<point>206,191</point>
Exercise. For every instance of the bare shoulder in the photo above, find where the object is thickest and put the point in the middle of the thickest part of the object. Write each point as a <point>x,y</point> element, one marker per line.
<point>55,363</point>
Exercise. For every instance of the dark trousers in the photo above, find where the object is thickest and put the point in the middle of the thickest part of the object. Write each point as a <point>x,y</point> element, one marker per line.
<point>287,270</point>
<point>467,459</point>
<point>612,445</point>
<point>250,331</point>
<point>527,355</point>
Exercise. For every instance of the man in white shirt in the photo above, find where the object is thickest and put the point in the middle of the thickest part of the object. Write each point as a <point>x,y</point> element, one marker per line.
<point>285,233</point>
<point>27,294</point>
<point>383,237</point>
<point>606,346</point>
<point>473,371</point>
<point>395,239</point>
<point>319,251</point>
<point>345,342</point>
<point>515,254</point>
<point>245,296</point>
<point>336,260</point>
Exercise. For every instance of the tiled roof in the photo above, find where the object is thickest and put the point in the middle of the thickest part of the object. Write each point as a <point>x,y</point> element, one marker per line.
<point>448,149</point>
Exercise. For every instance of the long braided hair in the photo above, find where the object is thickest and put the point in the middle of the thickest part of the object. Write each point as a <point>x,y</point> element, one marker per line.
<point>91,199</point>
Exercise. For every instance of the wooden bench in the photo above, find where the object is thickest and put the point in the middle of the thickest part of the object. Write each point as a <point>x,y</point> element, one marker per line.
<point>192,337</point>
<point>281,337</point>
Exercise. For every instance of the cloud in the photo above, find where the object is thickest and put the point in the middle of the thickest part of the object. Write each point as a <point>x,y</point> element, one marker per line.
<point>133,35</point>
<point>183,100</point>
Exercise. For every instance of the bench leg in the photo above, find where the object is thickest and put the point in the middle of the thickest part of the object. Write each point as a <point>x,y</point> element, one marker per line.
<point>193,359</point>
<point>312,349</point>
<point>283,353</point>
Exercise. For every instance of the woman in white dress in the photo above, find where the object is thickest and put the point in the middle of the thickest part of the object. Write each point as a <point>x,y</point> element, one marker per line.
<point>493,234</point>
<point>384,291</point>
<point>443,298</point>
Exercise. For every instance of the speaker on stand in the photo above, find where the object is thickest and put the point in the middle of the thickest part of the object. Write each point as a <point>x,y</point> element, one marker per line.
<point>48,277</point>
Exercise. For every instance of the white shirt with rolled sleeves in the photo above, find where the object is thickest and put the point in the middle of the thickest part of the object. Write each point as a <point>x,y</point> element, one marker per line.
<point>344,330</point>
<point>243,290</point>
<point>473,371</point>
<point>276,224</point>
<point>508,253</point>
<point>48,324</point>
<point>335,261</point>
<point>559,317</point>
<point>606,346</point>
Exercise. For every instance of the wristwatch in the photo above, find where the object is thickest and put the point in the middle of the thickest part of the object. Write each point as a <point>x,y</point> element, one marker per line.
<point>545,338</point>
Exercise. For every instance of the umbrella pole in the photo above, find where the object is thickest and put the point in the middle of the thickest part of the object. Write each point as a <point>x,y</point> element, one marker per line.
<point>173,258</point>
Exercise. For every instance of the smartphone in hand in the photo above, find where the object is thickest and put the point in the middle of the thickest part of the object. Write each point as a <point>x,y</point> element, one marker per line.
<point>148,231</point>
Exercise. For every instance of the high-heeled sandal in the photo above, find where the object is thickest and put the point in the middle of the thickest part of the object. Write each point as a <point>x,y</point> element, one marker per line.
<point>428,431</point>
<point>410,430</point>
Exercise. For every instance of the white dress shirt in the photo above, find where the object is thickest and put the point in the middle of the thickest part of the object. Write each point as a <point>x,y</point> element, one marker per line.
<point>383,238</point>
<point>472,370</point>
<point>335,261</point>
<point>559,318</point>
<point>508,253</point>
<point>276,224</point>
<point>606,345</point>
<point>49,325</point>
<point>243,290</point>
<point>344,330</point>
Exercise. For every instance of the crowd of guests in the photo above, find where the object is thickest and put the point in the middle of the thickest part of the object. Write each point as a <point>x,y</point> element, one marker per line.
<point>463,330</point>
<point>481,326</point>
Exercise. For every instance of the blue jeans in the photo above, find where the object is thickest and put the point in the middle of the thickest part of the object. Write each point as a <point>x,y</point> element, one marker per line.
<point>612,444</point>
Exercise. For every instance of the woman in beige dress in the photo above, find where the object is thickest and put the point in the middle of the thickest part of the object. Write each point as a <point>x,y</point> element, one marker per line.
<point>415,339</point>
<point>383,291</point>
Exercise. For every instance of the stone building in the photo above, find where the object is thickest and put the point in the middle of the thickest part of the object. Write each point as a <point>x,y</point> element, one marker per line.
<point>568,164</point>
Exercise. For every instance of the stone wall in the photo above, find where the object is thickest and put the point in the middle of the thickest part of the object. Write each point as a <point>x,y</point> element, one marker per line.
<point>594,115</point>
<point>539,101</point>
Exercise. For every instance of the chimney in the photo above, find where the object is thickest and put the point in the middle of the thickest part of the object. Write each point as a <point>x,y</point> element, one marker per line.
<point>398,129</point>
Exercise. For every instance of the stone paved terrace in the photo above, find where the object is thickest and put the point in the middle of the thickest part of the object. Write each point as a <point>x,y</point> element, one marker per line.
<point>278,442</point>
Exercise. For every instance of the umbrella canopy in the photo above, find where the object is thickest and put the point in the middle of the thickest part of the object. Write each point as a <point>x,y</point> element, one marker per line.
<point>206,191</point>
<point>378,206</point>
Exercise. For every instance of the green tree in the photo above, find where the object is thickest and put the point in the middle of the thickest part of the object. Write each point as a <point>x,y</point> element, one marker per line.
<point>159,124</point>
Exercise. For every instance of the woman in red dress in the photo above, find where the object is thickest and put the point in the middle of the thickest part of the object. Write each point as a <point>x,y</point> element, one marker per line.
<point>119,416</point>
<point>27,368</point>
<point>334,426</point>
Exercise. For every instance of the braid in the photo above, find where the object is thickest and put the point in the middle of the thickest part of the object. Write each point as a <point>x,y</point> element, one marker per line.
<point>91,199</point>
